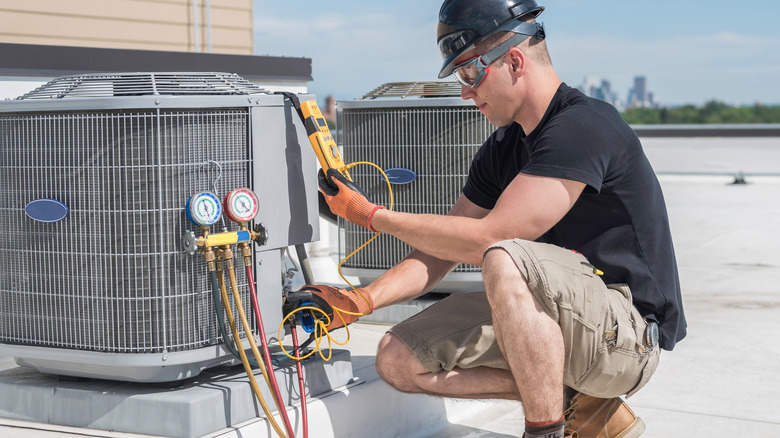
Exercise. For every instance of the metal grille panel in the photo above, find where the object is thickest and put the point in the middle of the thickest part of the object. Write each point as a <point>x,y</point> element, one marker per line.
<point>140,84</point>
<point>415,89</point>
<point>436,142</point>
<point>113,276</point>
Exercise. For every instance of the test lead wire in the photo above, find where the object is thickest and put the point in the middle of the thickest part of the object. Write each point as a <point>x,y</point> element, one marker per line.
<point>320,327</point>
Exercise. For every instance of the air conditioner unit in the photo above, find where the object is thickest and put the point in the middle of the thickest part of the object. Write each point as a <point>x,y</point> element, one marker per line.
<point>424,136</point>
<point>99,286</point>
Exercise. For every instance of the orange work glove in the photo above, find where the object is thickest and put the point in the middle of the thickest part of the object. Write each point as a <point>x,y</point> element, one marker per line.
<point>329,298</point>
<point>347,199</point>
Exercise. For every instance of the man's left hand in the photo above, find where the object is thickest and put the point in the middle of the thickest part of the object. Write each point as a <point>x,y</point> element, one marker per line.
<point>347,199</point>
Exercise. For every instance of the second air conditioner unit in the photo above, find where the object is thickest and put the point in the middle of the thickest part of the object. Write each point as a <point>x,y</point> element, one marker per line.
<point>424,136</point>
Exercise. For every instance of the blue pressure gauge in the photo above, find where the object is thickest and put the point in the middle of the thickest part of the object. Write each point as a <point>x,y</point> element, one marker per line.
<point>203,209</point>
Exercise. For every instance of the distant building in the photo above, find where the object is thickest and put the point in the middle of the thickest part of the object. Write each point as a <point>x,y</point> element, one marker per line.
<point>600,89</point>
<point>639,96</point>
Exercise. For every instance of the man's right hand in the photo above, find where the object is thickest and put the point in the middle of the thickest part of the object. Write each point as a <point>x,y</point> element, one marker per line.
<point>343,306</point>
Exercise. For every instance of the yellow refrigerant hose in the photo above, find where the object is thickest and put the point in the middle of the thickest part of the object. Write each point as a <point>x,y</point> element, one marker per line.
<point>248,329</point>
<point>244,359</point>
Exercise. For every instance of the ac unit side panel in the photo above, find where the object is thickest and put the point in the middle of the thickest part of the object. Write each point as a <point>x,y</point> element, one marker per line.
<point>268,273</point>
<point>285,176</point>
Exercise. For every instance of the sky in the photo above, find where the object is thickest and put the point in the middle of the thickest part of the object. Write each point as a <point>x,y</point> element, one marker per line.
<point>690,51</point>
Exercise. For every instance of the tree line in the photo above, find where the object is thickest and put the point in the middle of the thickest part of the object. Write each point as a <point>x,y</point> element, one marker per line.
<point>711,112</point>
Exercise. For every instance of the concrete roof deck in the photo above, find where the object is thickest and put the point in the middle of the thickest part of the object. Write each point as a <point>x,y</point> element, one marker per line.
<point>721,381</point>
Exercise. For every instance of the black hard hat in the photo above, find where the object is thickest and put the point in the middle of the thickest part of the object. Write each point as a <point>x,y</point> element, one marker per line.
<point>464,23</point>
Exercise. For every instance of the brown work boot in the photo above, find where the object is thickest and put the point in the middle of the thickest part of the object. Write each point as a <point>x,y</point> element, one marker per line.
<point>566,435</point>
<point>591,417</point>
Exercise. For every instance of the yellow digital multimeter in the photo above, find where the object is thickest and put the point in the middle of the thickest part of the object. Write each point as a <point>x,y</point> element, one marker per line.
<point>321,139</point>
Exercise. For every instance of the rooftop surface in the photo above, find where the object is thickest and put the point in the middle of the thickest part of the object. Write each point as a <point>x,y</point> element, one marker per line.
<point>721,381</point>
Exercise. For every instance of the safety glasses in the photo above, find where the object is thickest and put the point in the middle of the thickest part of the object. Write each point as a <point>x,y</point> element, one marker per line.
<point>474,70</point>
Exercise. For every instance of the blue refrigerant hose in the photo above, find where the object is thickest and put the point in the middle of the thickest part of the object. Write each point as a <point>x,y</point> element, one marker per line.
<point>218,309</point>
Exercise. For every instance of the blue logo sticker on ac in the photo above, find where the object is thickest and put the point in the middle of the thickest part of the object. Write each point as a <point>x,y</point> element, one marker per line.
<point>400,175</point>
<point>46,210</point>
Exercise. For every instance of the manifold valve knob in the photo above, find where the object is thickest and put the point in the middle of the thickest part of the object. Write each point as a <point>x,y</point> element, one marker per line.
<point>189,242</point>
<point>262,234</point>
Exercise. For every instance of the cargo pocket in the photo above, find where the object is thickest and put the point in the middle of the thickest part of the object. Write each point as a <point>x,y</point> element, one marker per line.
<point>617,367</point>
<point>583,317</point>
<point>588,301</point>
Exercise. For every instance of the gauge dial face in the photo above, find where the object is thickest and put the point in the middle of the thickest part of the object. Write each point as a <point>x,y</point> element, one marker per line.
<point>204,209</point>
<point>241,205</point>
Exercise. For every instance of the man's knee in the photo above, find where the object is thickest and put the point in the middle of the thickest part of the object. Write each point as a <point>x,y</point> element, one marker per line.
<point>396,364</point>
<point>499,269</point>
<point>495,259</point>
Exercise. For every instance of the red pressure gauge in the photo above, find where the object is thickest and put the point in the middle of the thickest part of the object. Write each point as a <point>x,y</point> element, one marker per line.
<point>241,205</point>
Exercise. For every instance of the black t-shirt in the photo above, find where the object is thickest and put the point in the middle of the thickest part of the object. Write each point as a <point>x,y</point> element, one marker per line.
<point>619,221</point>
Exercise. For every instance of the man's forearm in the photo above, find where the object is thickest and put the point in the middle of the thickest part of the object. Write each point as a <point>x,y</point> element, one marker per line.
<point>433,258</point>
<point>454,238</point>
<point>415,275</point>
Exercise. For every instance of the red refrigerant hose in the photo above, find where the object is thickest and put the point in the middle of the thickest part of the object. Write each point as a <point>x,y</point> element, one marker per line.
<point>267,357</point>
<point>266,353</point>
<point>301,382</point>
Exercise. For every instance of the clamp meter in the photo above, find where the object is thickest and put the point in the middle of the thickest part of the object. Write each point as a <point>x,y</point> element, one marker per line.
<point>321,139</point>
<point>203,209</point>
<point>241,205</point>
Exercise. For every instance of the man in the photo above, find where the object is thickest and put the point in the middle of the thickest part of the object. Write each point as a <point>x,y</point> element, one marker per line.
<point>562,173</point>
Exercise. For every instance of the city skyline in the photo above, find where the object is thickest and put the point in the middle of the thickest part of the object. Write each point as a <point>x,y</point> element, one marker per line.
<point>692,54</point>
<point>639,95</point>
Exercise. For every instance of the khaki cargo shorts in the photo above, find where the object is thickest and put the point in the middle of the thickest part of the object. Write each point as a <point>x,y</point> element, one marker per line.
<point>603,332</point>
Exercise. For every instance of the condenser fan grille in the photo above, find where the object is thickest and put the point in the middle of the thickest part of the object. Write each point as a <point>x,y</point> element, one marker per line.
<point>142,84</point>
<point>112,277</point>
<point>414,89</point>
